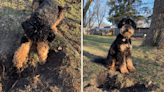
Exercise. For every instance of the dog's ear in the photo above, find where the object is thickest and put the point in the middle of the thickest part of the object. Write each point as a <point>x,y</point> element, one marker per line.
<point>23,25</point>
<point>29,29</point>
<point>133,24</point>
<point>26,25</point>
<point>24,39</point>
<point>51,36</point>
<point>120,24</point>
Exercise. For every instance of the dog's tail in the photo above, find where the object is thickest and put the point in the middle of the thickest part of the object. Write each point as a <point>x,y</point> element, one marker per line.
<point>101,61</point>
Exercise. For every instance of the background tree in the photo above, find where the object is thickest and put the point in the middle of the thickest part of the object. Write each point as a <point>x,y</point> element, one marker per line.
<point>90,17</point>
<point>124,8</point>
<point>103,24</point>
<point>95,14</point>
<point>86,7</point>
<point>100,11</point>
<point>155,36</point>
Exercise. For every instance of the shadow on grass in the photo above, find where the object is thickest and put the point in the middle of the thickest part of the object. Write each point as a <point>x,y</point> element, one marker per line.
<point>99,39</point>
<point>91,56</point>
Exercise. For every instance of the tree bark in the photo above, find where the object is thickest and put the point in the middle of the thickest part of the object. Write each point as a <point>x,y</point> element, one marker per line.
<point>155,35</point>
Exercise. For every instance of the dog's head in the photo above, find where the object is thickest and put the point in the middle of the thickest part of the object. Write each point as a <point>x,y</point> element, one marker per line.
<point>37,33</point>
<point>127,27</point>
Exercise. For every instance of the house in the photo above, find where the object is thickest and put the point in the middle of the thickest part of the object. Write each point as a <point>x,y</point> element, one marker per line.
<point>98,31</point>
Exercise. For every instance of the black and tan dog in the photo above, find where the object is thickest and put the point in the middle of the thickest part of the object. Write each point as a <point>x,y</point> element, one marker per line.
<point>40,29</point>
<point>119,55</point>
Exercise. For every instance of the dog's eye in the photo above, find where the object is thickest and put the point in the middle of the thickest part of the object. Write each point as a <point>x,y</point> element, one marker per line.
<point>130,23</point>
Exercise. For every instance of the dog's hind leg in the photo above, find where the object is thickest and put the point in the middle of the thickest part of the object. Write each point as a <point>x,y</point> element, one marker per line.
<point>130,64</point>
<point>21,54</point>
<point>43,50</point>
<point>123,66</point>
<point>112,67</point>
<point>60,17</point>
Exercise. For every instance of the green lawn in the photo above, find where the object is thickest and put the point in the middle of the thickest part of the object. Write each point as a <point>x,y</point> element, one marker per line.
<point>148,61</point>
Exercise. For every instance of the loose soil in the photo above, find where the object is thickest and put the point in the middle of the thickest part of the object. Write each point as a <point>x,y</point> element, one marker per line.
<point>52,76</point>
<point>114,81</point>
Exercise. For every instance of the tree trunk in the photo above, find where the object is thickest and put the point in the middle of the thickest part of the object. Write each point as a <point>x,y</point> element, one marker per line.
<point>89,3</point>
<point>155,35</point>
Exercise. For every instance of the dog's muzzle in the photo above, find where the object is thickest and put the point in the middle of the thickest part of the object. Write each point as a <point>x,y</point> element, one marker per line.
<point>126,30</point>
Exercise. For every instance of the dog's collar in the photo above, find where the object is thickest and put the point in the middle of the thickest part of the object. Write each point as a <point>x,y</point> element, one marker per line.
<point>126,39</point>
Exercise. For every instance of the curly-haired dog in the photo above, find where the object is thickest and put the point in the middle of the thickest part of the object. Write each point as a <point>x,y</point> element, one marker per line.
<point>119,55</point>
<point>61,11</point>
<point>40,29</point>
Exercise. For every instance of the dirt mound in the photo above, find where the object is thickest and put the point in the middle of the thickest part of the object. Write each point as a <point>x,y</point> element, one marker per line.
<point>55,75</point>
<point>110,81</point>
<point>72,33</point>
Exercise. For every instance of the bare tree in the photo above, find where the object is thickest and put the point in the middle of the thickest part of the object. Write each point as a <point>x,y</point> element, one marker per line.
<point>103,24</point>
<point>155,36</point>
<point>95,14</point>
<point>100,11</point>
<point>90,18</point>
<point>86,7</point>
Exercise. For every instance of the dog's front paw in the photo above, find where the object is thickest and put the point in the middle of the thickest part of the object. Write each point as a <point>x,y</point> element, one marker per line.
<point>113,68</point>
<point>124,71</point>
<point>132,69</point>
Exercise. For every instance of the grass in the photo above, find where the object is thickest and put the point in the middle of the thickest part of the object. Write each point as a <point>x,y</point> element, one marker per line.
<point>75,13</point>
<point>148,61</point>
<point>15,4</point>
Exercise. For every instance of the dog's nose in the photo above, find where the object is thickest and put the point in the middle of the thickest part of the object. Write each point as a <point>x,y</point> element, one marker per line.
<point>126,30</point>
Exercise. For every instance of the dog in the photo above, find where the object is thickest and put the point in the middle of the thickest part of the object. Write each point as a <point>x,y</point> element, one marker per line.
<point>119,55</point>
<point>40,29</point>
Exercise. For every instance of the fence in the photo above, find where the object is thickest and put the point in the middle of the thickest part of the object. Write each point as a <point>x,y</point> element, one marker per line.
<point>139,32</point>
<point>98,31</point>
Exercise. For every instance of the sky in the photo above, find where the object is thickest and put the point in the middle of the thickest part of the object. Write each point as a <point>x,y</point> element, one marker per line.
<point>150,4</point>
